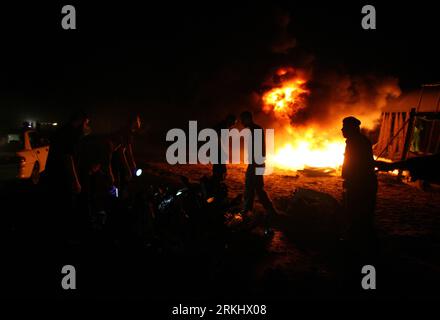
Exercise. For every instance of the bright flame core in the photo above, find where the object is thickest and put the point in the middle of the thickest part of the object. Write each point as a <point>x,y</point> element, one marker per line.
<point>307,150</point>
<point>298,147</point>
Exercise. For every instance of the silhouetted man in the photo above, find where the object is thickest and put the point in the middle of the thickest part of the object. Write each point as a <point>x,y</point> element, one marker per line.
<point>360,181</point>
<point>62,176</point>
<point>219,169</point>
<point>254,183</point>
<point>95,182</point>
<point>123,164</point>
<point>61,167</point>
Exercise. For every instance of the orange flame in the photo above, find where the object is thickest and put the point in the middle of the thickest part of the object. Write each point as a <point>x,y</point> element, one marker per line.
<point>287,99</point>
<point>299,147</point>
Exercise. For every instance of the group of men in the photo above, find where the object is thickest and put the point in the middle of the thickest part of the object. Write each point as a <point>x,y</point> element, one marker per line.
<point>358,173</point>
<point>76,158</point>
<point>82,168</point>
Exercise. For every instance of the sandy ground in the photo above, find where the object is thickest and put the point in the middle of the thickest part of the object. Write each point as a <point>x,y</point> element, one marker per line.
<point>402,209</point>
<point>407,223</point>
<point>304,259</point>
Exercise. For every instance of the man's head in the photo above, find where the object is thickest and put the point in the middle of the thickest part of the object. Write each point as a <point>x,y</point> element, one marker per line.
<point>230,120</point>
<point>246,118</point>
<point>81,121</point>
<point>134,122</point>
<point>350,126</point>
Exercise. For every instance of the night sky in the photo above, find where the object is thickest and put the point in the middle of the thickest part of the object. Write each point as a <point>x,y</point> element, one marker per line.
<point>180,62</point>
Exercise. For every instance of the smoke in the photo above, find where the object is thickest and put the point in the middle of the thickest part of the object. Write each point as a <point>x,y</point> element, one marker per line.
<point>270,44</point>
<point>333,91</point>
<point>283,41</point>
<point>258,41</point>
<point>334,96</point>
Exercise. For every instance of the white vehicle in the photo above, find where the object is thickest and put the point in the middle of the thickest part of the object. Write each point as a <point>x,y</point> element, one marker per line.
<point>23,155</point>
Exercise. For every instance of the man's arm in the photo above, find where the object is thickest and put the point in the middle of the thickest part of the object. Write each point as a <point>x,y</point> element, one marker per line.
<point>107,163</point>
<point>125,164</point>
<point>71,169</point>
<point>130,158</point>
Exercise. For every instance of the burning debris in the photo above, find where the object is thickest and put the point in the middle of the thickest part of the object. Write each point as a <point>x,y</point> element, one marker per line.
<point>288,97</point>
<point>297,146</point>
<point>308,126</point>
<point>318,172</point>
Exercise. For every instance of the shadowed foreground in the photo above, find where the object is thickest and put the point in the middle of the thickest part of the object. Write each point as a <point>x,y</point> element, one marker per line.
<point>304,259</point>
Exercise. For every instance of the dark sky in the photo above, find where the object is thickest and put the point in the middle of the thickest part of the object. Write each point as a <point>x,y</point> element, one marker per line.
<point>174,62</point>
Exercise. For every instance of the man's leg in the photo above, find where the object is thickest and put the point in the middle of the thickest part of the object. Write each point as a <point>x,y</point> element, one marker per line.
<point>360,207</point>
<point>249,189</point>
<point>352,207</point>
<point>262,195</point>
<point>267,204</point>
<point>369,205</point>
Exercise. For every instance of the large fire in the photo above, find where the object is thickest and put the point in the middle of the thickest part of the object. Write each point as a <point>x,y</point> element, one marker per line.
<point>297,147</point>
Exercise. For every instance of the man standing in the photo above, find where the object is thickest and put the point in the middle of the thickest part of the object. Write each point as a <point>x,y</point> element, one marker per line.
<point>360,181</point>
<point>62,176</point>
<point>254,183</point>
<point>123,164</point>
<point>61,167</point>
